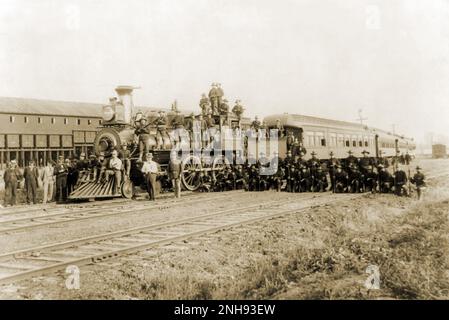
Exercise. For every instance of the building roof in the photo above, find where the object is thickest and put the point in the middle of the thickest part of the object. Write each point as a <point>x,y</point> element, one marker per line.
<point>12,105</point>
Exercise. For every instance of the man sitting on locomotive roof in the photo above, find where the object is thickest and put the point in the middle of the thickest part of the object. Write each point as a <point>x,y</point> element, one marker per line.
<point>385,180</point>
<point>114,168</point>
<point>213,97</point>
<point>205,105</point>
<point>255,125</point>
<point>341,180</point>
<point>142,134</point>
<point>280,128</point>
<point>161,129</point>
<point>220,94</point>
<point>238,109</point>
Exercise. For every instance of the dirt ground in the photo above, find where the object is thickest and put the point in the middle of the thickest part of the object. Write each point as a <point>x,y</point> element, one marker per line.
<point>322,253</point>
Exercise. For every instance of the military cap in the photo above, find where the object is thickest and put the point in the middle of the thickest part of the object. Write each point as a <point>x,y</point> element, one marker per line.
<point>92,156</point>
<point>82,154</point>
<point>61,157</point>
<point>349,152</point>
<point>331,153</point>
<point>364,151</point>
<point>14,161</point>
<point>313,153</point>
<point>380,166</point>
<point>418,168</point>
<point>149,154</point>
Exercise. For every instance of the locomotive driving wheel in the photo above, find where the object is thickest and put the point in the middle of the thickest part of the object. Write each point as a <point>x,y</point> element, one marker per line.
<point>219,164</point>
<point>127,189</point>
<point>190,174</point>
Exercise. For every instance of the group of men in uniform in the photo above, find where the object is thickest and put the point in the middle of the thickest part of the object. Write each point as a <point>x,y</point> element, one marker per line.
<point>294,174</point>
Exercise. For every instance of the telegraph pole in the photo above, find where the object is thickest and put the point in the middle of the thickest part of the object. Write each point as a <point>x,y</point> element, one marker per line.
<point>361,118</point>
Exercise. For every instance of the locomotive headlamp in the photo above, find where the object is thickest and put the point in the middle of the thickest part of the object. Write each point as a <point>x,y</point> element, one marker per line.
<point>108,113</point>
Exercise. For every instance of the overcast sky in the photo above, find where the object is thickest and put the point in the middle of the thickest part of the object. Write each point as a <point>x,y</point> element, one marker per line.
<point>325,58</point>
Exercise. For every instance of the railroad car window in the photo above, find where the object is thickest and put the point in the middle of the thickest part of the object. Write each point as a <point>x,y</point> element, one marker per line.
<point>366,143</point>
<point>99,121</point>
<point>323,142</point>
<point>11,119</point>
<point>78,121</point>
<point>89,122</point>
<point>25,119</point>
<point>347,143</point>
<point>66,120</point>
<point>39,120</point>
<point>53,120</point>
<point>360,143</point>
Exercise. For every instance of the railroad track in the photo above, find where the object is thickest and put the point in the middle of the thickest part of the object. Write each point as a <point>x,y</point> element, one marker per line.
<point>41,260</point>
<point>18,224</point>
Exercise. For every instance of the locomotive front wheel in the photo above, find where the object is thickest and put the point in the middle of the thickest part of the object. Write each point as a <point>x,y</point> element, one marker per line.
<point>127,189</point>
<point>190,175</point>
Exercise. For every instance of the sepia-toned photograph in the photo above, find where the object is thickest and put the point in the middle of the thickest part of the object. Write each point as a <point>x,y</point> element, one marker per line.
<point>224,150</point>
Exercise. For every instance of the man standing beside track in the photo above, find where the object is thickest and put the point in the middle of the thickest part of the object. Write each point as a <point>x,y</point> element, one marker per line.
<point>174,172</point>
<point>150,169</point>
<point>12,176</point>
<point>61,180</point>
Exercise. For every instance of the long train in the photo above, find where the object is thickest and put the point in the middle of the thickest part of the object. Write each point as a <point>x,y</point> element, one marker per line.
<point>233,140</point>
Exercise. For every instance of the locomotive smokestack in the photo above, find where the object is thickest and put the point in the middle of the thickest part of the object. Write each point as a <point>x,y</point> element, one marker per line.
<point>125,94</point>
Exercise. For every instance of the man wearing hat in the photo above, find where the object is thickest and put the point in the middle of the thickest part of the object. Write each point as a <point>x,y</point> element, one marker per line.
<point>341,180</point>
<point>370,179</point>
<point>220,94</point>
<point>385,179</point>
<point>31,175</point>
<point>365,161</point>
<point>204,105</point>
<point>174,172</point>
<point>47,177</point>
<point>400,179</point>
<point>213,97</point>
<point>419,181</point>
<point>114,168</point>
<point>150,169</point>
<point>319,179</point>
<point>124,154</point>
<point>350,159</point>
<point>143,137</point>
<point>61,171</point>
<point>332,167</point>
<point>238,109</point>
<point>255,125</point>
<point>161,129</point>
<point>11,177</point>
<point>82,167</point>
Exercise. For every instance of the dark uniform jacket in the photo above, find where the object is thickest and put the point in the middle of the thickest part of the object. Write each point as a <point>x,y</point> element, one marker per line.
<point>418,180</point>
<point>31,175</point>
<point>12,175</point>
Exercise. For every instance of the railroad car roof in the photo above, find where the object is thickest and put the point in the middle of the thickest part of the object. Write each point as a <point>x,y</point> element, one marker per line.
<point>296,119</point>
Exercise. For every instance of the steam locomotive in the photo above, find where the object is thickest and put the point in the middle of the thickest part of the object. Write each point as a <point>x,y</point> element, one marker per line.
<point>232,139</point>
